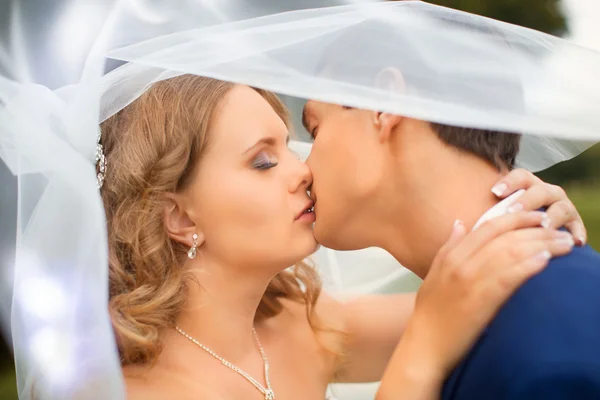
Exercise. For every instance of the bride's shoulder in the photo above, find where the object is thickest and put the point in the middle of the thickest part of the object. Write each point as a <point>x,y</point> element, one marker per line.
<point>326,311</point>
<point>323,325</point>
<point>148,393</point>
<point>142,384</point>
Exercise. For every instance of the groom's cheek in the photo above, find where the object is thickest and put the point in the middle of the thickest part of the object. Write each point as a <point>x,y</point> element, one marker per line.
<point>315,160</point>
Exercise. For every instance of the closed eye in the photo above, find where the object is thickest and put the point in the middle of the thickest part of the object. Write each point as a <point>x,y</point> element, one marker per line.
<point>265,166</point>
<point>264,161</point>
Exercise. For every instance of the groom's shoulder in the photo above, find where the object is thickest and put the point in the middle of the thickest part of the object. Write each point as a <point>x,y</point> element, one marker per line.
<point>581,262</point>
<point>565,296</point>
<point>560,302</point>
<point>564,280</point>
<point>550,324</point>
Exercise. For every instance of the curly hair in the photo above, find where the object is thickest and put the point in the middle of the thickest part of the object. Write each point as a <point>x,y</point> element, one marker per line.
<point>152,147</point>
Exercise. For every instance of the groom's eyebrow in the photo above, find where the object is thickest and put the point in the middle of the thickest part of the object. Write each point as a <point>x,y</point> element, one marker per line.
<point>305,117</point>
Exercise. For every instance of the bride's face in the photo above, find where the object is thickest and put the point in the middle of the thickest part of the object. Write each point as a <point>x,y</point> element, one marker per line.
<point>346,169</point>
<point>249,190</point>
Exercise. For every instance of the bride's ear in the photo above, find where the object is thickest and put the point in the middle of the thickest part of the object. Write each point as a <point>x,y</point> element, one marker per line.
<point>179,225</point>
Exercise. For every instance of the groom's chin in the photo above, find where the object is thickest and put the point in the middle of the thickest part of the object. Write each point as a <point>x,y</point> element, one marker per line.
<point>332,238</point>
<point>323,235</point>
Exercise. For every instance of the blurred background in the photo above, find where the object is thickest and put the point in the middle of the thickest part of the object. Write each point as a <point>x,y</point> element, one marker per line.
<point>580,177</point>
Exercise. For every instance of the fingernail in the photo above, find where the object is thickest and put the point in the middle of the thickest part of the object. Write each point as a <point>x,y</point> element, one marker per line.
<point>581,240</point>
<point>458,225</point>
<point>515,208</point>
<point>542,257</point>
<point>561,235</point>
<point>499,189</point>
<point>566,242</point>
<point>546,222</point>
<point>458,229</point>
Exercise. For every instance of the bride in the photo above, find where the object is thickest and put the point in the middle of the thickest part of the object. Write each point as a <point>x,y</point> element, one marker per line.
<point>206,209</point>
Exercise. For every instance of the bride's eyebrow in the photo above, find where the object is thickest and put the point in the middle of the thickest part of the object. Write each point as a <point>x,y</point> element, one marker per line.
<point>269,141</point>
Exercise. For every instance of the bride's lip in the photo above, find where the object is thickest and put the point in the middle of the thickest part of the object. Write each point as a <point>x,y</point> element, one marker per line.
<point>306,208</point>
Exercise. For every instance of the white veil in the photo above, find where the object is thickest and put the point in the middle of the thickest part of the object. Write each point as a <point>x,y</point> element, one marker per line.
<point>408,57</point>
<point>55,282</point>
<point>487,75</point>
<point>456,68</point>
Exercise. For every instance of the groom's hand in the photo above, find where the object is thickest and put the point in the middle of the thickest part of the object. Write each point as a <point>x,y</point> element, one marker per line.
<point>539,194</point>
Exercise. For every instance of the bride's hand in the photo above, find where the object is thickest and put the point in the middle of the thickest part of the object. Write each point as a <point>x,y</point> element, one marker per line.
<point>471,278</point>
<point>538,194</point>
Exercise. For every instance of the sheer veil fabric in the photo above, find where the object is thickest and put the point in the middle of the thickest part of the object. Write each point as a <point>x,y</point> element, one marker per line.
<point>410,58</point>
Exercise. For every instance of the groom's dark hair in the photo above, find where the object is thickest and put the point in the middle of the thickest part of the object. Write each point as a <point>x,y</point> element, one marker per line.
<point>496,147</point>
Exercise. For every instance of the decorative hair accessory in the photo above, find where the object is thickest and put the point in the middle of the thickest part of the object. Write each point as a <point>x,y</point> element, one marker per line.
<point>100,161</point>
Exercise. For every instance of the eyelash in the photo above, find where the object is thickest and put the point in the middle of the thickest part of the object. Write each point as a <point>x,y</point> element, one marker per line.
<point>263,163</point>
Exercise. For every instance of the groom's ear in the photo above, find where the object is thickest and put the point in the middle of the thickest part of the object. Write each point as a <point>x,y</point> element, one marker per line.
<point>389,79</point>
<point>386,124</point>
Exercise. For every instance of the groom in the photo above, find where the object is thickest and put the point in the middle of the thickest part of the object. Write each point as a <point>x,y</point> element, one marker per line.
<point>409,180</point>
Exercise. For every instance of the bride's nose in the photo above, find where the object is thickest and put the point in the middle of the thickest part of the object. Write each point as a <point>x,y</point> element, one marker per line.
<point>302,177</point>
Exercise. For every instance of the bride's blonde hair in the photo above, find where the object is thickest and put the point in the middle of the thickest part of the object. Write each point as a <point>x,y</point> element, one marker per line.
<point>152,147</point>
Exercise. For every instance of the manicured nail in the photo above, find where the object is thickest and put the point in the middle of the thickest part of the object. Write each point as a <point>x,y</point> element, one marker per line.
<point>458,225</point>
<point>515,208</point>
<point>543,257</point>
<point>499,189</point>
<point>566,242</point>
<point>545,221</point>
<point>581,240</point>
<point>458,228</point>
<point>561,235</point>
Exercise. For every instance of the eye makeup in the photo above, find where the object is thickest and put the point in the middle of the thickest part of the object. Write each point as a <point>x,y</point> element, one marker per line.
<point>263,161</point>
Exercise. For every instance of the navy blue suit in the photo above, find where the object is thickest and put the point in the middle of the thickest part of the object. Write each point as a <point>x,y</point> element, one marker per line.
<point>544,343</point>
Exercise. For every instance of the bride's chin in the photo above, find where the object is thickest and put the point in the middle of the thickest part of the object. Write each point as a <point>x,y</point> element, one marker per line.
<point>316,247</point>
<point>311,248</point>
<point>320,235</point>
